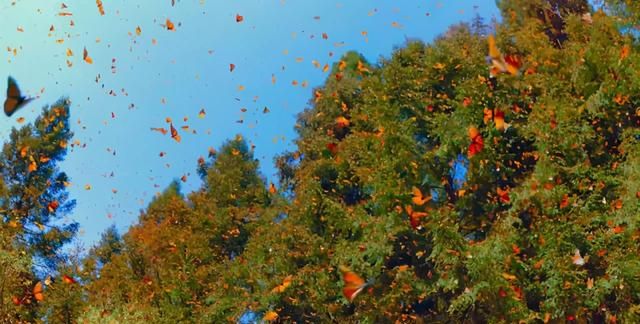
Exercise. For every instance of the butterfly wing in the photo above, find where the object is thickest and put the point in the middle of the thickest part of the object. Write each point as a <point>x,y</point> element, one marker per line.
<point>353,284</point>
<point>494,52</point>
<point>10,106</point>
<point>38,292</point>
<point>12,89</point>
<point>174,133</point>
<point>14,100</point>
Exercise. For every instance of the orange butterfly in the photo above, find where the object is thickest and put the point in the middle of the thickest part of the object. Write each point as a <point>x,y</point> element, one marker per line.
<point>100,7</point>
<point>285,283</point>
<point>418,199</point>
<point>353,284</point>
<point>272,188</point>
<point>477,143</point>
<point>158,129</point>
<point>499,63</point>
<point>414,216</point>
<point>174,133</point>
<point>53,206</point>
<point>503,195</point>
<point>498,118</point>
<point>68,280</point>
<point>14,100</point>
<point>38,292</point>
<point>239,18</point>
<point>342,122</point>
<point>169,25</point>
<point>86,57</point>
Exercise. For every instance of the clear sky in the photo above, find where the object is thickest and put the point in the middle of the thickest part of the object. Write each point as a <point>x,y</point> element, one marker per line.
<point>137,81</point>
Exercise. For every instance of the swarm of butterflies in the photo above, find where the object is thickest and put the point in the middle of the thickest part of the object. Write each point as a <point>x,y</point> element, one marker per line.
<point>353,283</point>
<point>499,64</point>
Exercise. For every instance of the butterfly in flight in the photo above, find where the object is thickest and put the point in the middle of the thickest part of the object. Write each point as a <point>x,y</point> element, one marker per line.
<point>499,63</point>
<point>353,283</point>
<point>15,100</point>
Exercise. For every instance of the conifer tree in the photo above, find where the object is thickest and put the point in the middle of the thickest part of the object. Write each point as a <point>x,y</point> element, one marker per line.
<point>33,197</point>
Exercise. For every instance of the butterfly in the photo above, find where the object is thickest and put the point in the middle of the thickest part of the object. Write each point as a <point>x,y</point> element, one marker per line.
<point>414,216</point>
<point>174,133</point>
<point>272,188</point>
<point>68,280</point>
<point>498,118</point>
<point>14,100</point>
<point>577,259</point>
<point>353,284</point>
<point>501,64</point>
<point>285,283</point>
<point>477,143</point>
<point>38,292</point>
<point>86,57</point>
<point>418,199</point>
<point>503,195</point>
<point>169,25</point>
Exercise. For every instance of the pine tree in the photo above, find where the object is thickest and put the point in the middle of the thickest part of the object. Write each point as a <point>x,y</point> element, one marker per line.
<point>33,198</point>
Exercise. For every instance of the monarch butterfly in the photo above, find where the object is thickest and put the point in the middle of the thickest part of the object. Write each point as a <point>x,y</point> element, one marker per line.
<point>499,63</point>
<point>353,284</point>
<point>414,216</point>
<point>477,143</point>
<point>37,291</point>
<point>68,280</point>
<point>419,199</point>
<point>14,100</point>
<point>174,133</point>
<point>285,283</point>
<point>498,118</point>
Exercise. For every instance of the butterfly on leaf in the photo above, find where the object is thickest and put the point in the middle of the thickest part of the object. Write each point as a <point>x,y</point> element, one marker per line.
<point>414,216</point>
<point>577,259</point>
<point>501,64</point>
<point>270,316</point>
<point>282,287</point>
<point>272,188</point>
<point>353,283</point>
<point>498,118</point>
<point>38,291</point>
<point>15,100</point>
<point>503,195</point>
<point>477,143</point>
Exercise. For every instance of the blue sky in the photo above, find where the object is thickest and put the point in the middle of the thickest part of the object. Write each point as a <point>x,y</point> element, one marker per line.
<point>175,74</point>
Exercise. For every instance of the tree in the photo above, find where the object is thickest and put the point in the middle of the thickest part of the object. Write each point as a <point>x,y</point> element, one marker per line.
<point>33,198</point>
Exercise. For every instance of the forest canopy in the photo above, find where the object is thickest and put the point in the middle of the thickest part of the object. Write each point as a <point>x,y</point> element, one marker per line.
<point>490,176</point>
